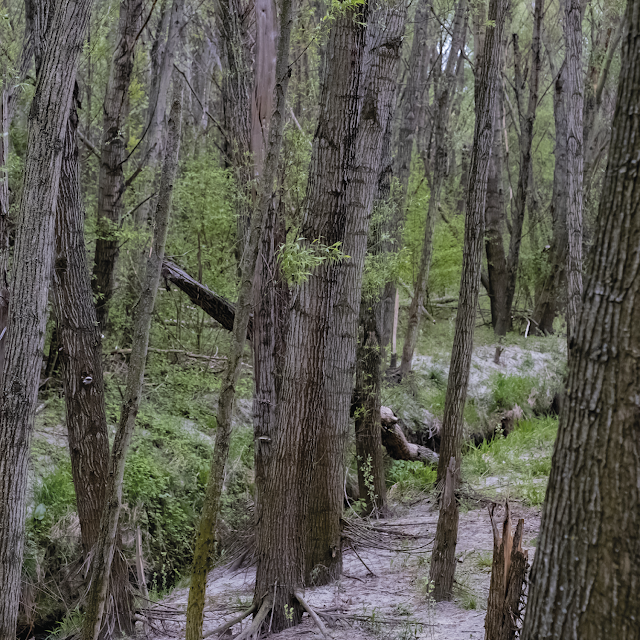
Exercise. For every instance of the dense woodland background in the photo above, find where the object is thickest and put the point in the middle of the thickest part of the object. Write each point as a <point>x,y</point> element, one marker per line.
<point>237,237</point>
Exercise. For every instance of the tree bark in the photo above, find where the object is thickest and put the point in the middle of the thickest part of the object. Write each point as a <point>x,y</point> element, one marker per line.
<point>31,273</point>
<point>105,546</point>
<point>442,108</point>
<point>585,579</point>
<point>80,353</point>
<point>527,121</point>
<point>112,155</point>
<point>575,106</point>
<point>443,559</point>
<point>376,93</point>
<point>206,531</point>
<point>554,284</point>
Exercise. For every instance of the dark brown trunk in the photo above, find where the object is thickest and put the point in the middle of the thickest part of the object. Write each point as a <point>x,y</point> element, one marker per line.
<point>527,121</point>
<point>442,112</point>
<point>111,178</point>
<point>443,559</point>
<point>378,72</point>
<point>586,579</point>
<point>31,274</point>
<point>553,287</point>
<point>79,349</point>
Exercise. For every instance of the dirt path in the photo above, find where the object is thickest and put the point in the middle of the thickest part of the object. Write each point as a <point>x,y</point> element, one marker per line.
<point>395,593</point>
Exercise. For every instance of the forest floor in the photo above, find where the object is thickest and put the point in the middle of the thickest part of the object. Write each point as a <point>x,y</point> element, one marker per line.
<point>388,597</point>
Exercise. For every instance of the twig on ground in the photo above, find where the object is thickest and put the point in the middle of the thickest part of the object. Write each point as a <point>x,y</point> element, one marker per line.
<point>253,631</point>
<point>313,614</point>
<point>227,625</point>
<point>361,560</point>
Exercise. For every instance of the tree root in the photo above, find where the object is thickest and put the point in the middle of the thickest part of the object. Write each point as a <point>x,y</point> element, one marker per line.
<point>218,631</point>
<point>313,614</point>
<point>253,631</point>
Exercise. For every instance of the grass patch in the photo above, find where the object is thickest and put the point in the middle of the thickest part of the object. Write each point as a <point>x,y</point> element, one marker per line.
<point>522,461</point>
<point>411,477</point>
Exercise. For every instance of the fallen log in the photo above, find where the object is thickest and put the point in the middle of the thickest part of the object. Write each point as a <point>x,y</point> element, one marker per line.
<point>396,443</point>
<point>219,308</point>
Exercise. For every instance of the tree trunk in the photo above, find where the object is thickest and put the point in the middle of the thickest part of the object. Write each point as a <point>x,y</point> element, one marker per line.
<point>105,547</point>
<point>378,79</point>
<point>585,578</point>
<point>575,106</point>
<point>80,353</point>
<point>527,121</point>
<point>31,273</point>
<point>206,531</point>
<point>443,560</point>
<point>112,155</point>
<point>554,284</point>
<point>442,107</point>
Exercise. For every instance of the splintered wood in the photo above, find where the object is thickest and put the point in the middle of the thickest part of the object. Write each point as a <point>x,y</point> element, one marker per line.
<point>508,580</point>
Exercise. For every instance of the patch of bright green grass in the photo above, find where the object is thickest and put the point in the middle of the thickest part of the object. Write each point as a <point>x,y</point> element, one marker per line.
<point>411,476</point>
<point>520,462</point>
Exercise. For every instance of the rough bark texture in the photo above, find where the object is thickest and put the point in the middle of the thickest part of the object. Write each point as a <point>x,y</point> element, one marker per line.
<point>443,559</point>
<point>219,308</point>
<point>442,110</point>
<point>527,121</point>
<point>585,579</point>
<point>80,354</point>
<point>112,155</point>
<point>508,580</point>
<point>375,93</point>
<point>575,106</point>
<point>33,259</point>
<point>206,531</point>
<point>554,285</point>
<point>105,547</point>
<point>396,443</point>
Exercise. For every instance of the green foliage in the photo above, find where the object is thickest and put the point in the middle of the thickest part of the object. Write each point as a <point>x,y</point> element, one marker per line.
<point>53,497</point>
<point>508,391</point>
<point>297,258</point>
<point>411,476</point>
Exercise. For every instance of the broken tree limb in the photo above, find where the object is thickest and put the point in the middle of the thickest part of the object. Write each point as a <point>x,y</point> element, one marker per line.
<point>396,443</point>
<point>219,308</point>
<point>313,614</point>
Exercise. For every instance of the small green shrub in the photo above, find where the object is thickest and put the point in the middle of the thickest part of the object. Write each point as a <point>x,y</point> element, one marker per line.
<point>411,476</point>
<point>507,391</point>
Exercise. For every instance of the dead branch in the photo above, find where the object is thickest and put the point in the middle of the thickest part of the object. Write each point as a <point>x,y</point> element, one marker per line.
<point>313,614</point>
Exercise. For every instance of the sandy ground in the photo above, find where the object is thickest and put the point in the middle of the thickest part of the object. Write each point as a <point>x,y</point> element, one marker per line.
<point>394,595</point>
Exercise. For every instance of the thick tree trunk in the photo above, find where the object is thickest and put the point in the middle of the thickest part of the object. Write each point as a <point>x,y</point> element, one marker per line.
<point>443,560</point>
<point>383,41</point>
<point>554,285</point>
<point>31,273</point>
<point>80,354</point>
<point>442,107</point>
<point>105,546</point>
<point>527,121</point>
<point>206,531</point>
<point>586,579</point>
<point>495,229</point>
<point>112,155</point>
<point>575,106</point>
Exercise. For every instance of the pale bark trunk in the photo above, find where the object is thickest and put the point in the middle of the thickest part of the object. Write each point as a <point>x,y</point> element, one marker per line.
<point>31,273</point>
<point>376,92</point>
<point>575,106</point>
<point>80,353</point>
<point>111,177</point>
<point>443,559</point>
<point>105,546</point>
<point>585,578</point>
<point>442,107</point>
<point>527,121</point>
<point>206,531</point>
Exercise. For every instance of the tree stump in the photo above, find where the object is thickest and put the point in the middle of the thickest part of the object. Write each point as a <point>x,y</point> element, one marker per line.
<point>508,580</point>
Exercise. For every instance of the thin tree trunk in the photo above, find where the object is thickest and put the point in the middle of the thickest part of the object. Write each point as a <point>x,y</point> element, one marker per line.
<point>443,560</point>
<point>385,28</point>
<point>81,357</point>
<point>527,121</point>
<point>575,106</point>
<point>31,273</point>
<point>105,547</point>
<point>554,285</point>
<point>586,577</point>
<point>112,155</point>
<point>442,107</point>
<point>206,531</point>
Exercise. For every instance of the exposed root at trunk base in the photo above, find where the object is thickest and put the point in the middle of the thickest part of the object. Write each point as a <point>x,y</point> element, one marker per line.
<point>254,631</point>
<point>218,631</point>
<point>313,614</point>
